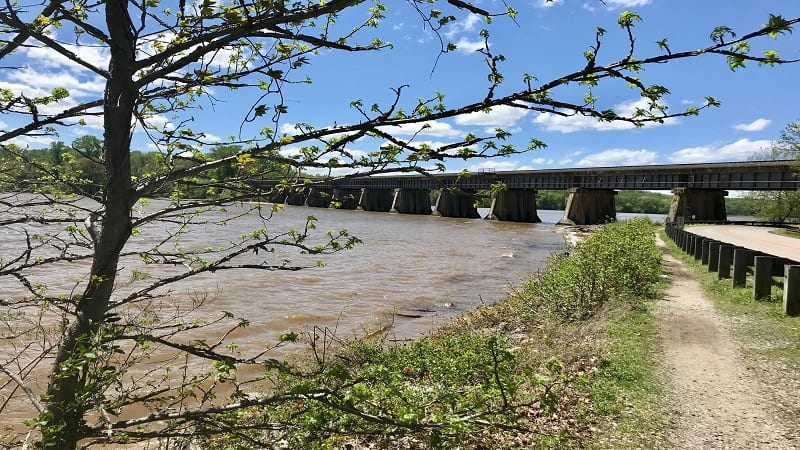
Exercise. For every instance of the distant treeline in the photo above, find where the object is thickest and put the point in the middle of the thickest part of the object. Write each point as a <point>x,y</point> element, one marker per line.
<point>643,202</point>
<point>79,168</point>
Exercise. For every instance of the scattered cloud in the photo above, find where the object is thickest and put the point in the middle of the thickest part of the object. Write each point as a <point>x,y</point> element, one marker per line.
<point>32,141</point>
<point>499,116</point>
<point>46,57</point>
<point>213,139</point>
<point>464,45</point>
<point>546,3</point>
<point>615,4</point>
<point>619,157</point>
<point>542,161</point>
<point>756,125</point>
<point>48,80</point>
<point>737,151</point>
<point>158,123</point>
<point>571,124</point>
<point>463,26</point>
<point>431,128</point>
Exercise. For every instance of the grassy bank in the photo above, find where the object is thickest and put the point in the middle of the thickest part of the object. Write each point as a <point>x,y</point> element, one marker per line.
<point>566,361</point>
<point>769,341</point>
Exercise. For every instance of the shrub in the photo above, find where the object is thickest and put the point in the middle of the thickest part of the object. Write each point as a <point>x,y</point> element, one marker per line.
<point>619,261</point>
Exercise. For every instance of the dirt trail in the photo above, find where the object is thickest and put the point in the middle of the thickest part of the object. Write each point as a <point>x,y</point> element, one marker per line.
<point>719,404</point>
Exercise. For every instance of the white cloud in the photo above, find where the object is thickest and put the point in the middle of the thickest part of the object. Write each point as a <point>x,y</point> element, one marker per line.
<point>614,4</point>
<point>463,26</point>
<point>46,57</point>
<point>430,128</point>
<point>47,81</point>
<point>542,161</point>
<point>32,141</point>
<point>737,151</point>
<point>499,116</point>
<point>158,123</point>
<point>619,157</point>
<point>464,45</point>
<point>547,3</point>
<point>571,124</point>
<point>213,139</point>
<point>756,125</point>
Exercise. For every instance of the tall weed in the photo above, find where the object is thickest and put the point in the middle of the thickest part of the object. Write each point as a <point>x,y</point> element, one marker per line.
<point>620,261</point>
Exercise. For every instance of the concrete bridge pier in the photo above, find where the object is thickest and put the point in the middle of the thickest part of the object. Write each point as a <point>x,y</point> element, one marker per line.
<point>379,200</point>
<point>345,198</point>
<point>412,201</point>
<point>457,204</point>
<point>514,205</point>
<point>319,197</point>
<point>277,196</point>
<point>296,198</point>
<point>589,207</point>
<point>689,205</point>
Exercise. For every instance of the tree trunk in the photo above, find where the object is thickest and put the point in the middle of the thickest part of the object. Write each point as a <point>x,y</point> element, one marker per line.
<point>70,389</point>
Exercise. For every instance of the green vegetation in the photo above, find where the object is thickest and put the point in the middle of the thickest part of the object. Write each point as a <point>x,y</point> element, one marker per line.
<point>793,232</point>
<point>551,366</point>
<point>79,169</point>
<point>780,206</point>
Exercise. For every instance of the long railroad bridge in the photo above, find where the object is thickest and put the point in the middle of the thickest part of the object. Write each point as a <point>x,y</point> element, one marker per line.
<point>699,190</point>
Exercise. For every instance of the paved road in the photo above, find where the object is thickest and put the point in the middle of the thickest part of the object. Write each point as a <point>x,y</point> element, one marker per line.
<point>754,238</point>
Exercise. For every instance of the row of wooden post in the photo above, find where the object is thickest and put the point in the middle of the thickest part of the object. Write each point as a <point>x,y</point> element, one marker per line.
<point>732,262</point>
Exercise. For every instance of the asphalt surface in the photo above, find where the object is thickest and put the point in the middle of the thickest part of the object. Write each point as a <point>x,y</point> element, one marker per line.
<point>754,238</point>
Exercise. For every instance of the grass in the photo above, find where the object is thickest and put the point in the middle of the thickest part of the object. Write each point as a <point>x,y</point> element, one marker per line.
<point>794,232</point>
<point>627,394</point>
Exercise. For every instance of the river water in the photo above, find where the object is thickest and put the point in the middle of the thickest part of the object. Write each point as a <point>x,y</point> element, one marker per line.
<point>410,274</point>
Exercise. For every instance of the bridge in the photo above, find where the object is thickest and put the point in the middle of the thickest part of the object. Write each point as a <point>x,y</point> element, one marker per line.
<point>699,190</point>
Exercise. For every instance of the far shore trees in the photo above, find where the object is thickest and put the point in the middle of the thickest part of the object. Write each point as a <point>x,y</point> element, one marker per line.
<point>72,346</point>
<point>780,206</point>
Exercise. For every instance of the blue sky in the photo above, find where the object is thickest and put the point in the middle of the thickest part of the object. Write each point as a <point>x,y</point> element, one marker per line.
<point>547,39</point>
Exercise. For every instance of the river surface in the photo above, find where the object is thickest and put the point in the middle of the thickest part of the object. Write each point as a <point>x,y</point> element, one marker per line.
<point>409,275</point>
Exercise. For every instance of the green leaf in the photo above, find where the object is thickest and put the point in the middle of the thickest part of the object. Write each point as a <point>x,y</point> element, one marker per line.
<point>627,19</point>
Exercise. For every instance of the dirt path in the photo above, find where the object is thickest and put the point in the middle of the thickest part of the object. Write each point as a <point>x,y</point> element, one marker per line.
<point>719,404</point>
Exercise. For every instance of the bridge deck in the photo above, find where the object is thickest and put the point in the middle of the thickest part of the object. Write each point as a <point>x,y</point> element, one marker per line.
<point>755,175</point>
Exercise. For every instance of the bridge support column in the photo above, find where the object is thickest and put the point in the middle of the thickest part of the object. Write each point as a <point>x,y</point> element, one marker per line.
<point>457,204</point>
<point>319,198</point>
<point>345,198</point>
<point>412,201</point>
<point>376,200</point>
<point>689,205</point>
<point>514,205</point>
<point>297,198</point>
<point>589,207</point>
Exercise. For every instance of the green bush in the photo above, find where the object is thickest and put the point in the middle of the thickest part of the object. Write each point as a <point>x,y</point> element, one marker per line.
<point>619,261</point>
